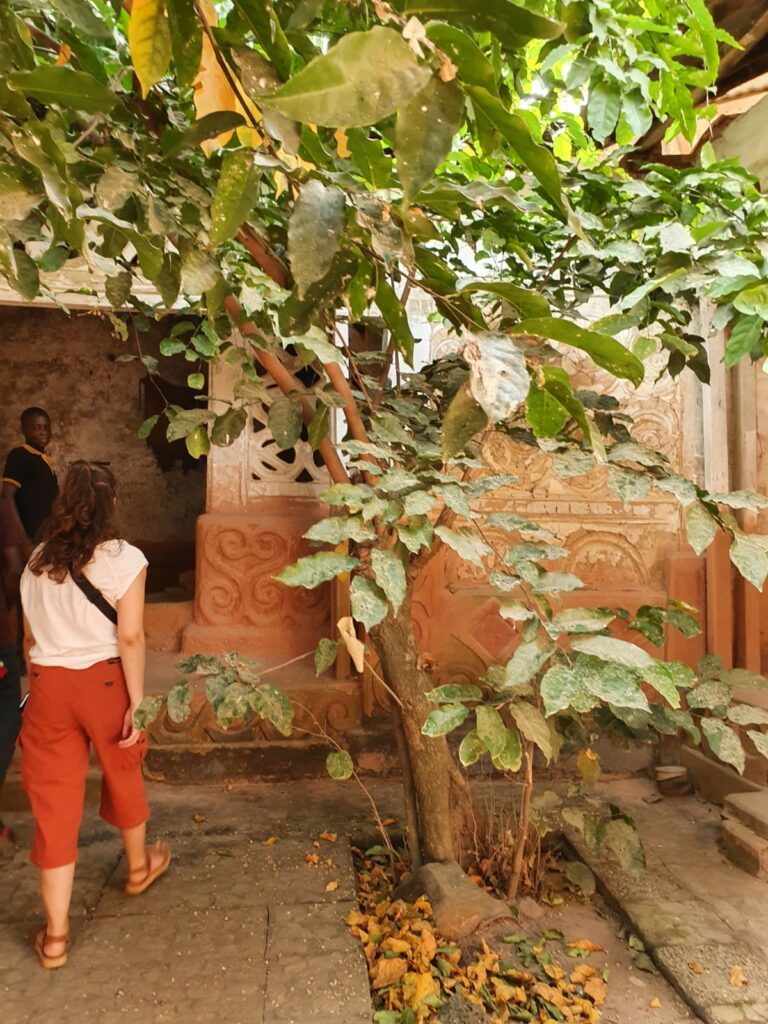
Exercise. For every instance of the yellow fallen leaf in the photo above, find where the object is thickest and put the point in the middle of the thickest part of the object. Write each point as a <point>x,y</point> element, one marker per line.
<point>394,945</point>
<point>332,886</point>
<point>198,818</point>
<point>596,989</point>
<point>311,858</point>
<point>417,987</point>
<point>270,842</point>
<point>581,974</point>
<point>586,945</point>
<point>341,143</point>
<point>64,55</point>
<point>738,978</point>
<point>386,972</point>
<point>388,821</point>
<point>695,967</point>
<point>329,837</point>
<point>356,648</point>
<point>655,1004</point>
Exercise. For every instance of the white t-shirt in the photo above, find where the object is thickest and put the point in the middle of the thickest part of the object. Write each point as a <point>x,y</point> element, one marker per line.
<point>70,631</point>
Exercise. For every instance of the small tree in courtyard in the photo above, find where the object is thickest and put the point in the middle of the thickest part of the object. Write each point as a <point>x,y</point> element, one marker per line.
<point>273,168</point>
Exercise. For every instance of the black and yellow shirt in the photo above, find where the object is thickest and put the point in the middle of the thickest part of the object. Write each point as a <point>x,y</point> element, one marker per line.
<point>31,473</point>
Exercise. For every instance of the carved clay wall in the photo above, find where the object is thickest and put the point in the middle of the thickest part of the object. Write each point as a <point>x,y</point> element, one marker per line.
<point>625,556</point>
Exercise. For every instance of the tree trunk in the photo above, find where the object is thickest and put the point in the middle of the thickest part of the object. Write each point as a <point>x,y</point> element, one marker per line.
<point>442,794</point>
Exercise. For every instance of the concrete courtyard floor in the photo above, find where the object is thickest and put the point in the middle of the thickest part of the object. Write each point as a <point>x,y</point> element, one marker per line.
<point>243,930</point>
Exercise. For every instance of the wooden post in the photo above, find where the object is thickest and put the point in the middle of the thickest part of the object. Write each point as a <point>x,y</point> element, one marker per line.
<point>720,636</point>
<point>747,598</point>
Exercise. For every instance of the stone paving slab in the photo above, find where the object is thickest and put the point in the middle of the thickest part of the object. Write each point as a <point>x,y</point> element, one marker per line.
<point>691,906</point>
<point>309,947</point>
<point>234,925</point>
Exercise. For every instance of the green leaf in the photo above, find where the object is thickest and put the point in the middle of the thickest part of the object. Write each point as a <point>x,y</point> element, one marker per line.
<point>396,318</point>
<point>196,381</point>
<point>753,301</point>
<point>760,740</point>
<point>513,25</point>
<point>316,341</point>
<point>608,353</point>
<point>365,77</point>
<point>285,421</point>
<point>725,743</point>
<point>464,419</point>
<point>416,534</point>
<point>369,603</point>
<point>611,683</point>
<point>314,232</point>
<point>471,748</point>
<point>700,528</point>
<point>444,719</point>
<point>325,654</point>
<point>560,686</point>
<point>236,193</point>
<point>147,712</point>
<point>454,693</point>
<point>603,108</point>
<point>513,128</point>
<point>199,272</point>
<point>744,336</point>
<point>491,728</point>
<point>178,705</point>
<point>318,426</point>
<point>228,427</point>
<point>147,427</point>
<point>746,714</point>
<point>149,40</point>
<point>424,131</point>
<point>187,421</point>
<point>473,66</point>
<point>208,127</point>
<point>272,704</point>
<point>608,648</point>
<point>711,694</point>
<point>186,40</point>
<point>312,570</point>
<point>498,375</point>
<point>580,620</point>
<point>533,726</point>
<point>526,301</point>
<point>61,85</point>
<point>510,757</point>
<point>526,662</point>
<point>198,442</point>
<point>544,412</point>
<point>390,575</point>
<point>628,485</point>
<point>468,546</point>
<point>335,529</point>
<point>742,499</point>
<point>83,17</point>
<point>339,765</point>
<point>749,553</point>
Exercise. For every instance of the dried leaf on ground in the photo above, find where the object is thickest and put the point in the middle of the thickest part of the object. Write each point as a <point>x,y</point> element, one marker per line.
<point>270,842</point>
<point>329,837</point>
<point>586,945</point>
<point>198,818</point>
<point>738,978</point>
<point>387,972</point>
<point>312,858</point>
<point>332,886</point>
<point>696,968</point>
<point>655,1004</point>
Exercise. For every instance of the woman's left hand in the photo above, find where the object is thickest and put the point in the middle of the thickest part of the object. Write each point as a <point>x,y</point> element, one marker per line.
<point>130,734</point>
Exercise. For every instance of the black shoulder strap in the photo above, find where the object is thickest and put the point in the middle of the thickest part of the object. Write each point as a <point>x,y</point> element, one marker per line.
<point>96,598</point>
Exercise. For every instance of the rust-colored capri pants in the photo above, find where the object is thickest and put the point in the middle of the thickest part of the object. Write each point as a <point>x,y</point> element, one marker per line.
<point>68,709</point>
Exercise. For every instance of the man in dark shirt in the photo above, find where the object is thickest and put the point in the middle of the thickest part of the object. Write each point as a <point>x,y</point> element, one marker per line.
<point>29,482</point>
<point>10,717</point>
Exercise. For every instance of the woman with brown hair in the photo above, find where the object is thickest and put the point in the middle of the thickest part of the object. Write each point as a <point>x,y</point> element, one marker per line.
<point>83,599</point>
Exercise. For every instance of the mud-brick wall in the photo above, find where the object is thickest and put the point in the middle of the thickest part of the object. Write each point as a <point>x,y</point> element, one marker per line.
<point>68,365</point>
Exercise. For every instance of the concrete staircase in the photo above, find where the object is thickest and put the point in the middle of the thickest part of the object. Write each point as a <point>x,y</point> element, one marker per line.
<point>744,831</point>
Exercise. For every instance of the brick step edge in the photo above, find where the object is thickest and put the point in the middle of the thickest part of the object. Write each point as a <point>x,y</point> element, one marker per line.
<point>744,848</point>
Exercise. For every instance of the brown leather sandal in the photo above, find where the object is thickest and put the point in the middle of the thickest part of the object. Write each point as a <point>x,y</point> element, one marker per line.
<point>149,874</point>
<point>50,963</point>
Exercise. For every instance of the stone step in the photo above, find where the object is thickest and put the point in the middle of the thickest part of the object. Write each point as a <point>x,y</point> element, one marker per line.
<point>164,622</point>
<point>751,809</point>
<point>744,848</point>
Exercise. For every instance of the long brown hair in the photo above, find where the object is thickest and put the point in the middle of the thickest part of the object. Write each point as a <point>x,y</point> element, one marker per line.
<point>83,516</point>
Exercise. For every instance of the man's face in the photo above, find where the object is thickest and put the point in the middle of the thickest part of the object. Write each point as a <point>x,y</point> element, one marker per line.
<point>37,431</point>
